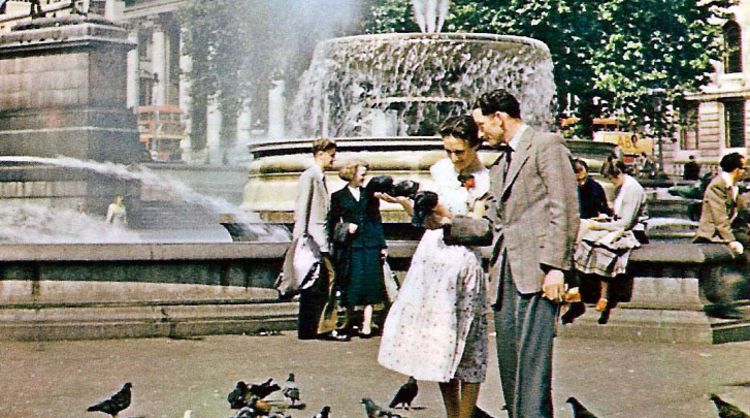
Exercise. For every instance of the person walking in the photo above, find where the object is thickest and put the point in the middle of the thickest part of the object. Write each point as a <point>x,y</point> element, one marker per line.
<point>534,210</point>
<point>311,209</point>
<point>359,245</point>
<point>436,329</point>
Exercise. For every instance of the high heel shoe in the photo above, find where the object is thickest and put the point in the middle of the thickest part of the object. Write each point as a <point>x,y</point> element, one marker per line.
<point>575,310</point>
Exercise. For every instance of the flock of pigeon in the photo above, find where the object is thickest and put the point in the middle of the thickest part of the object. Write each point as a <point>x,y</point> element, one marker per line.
<point>248,400</point>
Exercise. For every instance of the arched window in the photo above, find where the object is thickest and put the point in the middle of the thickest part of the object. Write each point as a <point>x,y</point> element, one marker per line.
<point>733,47</point>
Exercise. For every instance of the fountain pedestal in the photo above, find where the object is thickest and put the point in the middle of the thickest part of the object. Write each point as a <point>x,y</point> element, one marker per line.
<point>62,91</point>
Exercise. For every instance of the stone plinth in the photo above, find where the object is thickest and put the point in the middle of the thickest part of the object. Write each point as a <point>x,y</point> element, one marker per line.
<point>62,91</point>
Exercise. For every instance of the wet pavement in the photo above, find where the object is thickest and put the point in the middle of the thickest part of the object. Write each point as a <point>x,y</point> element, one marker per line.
<point>612,378</point>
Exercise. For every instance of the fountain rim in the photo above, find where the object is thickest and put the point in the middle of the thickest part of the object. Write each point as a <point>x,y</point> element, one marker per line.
<point>441,36</point>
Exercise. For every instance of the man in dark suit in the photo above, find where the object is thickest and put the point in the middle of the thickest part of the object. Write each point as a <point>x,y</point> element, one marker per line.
<point>691,170</point>
<point>534,211</point>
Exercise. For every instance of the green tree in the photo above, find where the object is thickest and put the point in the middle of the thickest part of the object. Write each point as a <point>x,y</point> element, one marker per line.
<point>612,57</point>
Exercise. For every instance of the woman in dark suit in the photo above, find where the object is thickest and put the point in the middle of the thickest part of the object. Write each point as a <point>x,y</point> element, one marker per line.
<point>359,244</point>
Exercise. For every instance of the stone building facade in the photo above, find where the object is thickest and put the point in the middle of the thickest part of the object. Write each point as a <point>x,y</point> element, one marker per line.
<point>715,121</point>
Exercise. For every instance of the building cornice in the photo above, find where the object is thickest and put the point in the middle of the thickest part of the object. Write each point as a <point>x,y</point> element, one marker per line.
<point>147,8</point>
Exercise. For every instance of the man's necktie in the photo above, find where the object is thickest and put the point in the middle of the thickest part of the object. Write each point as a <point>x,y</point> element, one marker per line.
<point>508,157</point>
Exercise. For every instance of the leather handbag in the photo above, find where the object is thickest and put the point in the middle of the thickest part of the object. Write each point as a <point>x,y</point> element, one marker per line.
<point>464,230</point>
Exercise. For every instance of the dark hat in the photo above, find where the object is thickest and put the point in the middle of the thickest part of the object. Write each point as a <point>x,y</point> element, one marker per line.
<point>424,203</point>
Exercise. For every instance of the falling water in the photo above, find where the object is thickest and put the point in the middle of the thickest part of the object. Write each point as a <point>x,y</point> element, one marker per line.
<point>90,227</point>
<point>419,78</point>
<point>430,14</point>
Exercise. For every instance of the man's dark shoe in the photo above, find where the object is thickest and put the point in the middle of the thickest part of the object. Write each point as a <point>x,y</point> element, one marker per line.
<point>335,336</point>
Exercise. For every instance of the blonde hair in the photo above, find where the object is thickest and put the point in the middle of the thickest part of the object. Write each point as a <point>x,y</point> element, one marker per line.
<point>349,170</point>
<point>323,144</point>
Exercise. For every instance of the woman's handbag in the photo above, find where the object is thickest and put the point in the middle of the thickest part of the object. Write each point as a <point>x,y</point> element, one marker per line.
<point>464,230</point>
<point>390,282</point>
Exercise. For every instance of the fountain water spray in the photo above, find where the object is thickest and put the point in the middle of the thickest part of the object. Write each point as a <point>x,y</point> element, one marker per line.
<point>152,180</point>
<point>430,14</point>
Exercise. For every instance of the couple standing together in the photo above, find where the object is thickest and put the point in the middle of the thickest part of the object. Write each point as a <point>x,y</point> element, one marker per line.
<point>436,329</point>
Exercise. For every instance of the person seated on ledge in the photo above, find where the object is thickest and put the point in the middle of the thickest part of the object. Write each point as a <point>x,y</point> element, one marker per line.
<point>722,219</point>
<point>605,243</point>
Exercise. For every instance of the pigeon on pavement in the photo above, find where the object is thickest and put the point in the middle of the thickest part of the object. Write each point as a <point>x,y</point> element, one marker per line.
<point>116,403</point>
<point>238,397</point>
<point>291,391</point>
<point>406,394</point>
<point>324,413</point>
<point>579,411</point>
<point>264,389</point>
<point>374,411</point>
<point>726,409</point>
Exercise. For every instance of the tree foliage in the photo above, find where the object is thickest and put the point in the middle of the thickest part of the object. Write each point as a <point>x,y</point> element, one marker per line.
<point>622,58</point>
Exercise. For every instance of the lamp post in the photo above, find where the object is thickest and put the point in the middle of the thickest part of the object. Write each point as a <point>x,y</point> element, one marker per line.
<point>657,96</point>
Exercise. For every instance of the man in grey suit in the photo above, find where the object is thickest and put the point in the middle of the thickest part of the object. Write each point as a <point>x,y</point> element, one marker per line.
<point>311,216</point>
<point>534,211</point>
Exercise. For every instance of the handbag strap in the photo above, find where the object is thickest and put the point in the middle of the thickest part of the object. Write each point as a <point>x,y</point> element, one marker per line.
<point>309,207</point>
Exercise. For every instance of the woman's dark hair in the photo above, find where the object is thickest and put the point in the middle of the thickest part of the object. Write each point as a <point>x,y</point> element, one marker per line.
<point>578,164</point>
<point>499,100</point>
<point>613,168</point>
<point>424,203</point>
<point>462,127</point>
<point>731,162</point>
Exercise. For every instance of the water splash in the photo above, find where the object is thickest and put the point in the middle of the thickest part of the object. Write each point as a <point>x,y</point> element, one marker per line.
<point>167,187</point>
<point>36,224</point>
<point>419,80</point>
<point>430,14</point>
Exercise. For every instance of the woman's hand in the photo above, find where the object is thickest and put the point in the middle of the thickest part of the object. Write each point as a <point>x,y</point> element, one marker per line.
<point>435,221</point>
<point>353,228</point>
<point>390,199</point>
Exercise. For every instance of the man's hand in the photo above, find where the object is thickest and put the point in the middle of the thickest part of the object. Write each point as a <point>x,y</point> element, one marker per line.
<point>736,247</point>
<point>353,228</point>
<point>554,285</point>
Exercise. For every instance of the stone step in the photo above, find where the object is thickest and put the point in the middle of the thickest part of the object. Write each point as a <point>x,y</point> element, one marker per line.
<point>181,320</point>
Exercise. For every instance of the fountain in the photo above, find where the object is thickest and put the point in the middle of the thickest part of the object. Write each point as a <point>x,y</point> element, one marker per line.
<point>381,98</point>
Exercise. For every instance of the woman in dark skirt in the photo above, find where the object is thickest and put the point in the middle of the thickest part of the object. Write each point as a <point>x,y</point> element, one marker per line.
<point>359,244</point>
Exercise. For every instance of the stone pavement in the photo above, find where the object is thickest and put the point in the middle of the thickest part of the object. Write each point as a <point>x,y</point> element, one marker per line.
<point>613,378</point>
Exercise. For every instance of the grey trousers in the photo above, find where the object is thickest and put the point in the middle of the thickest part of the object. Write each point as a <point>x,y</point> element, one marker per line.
<point>525,326</point>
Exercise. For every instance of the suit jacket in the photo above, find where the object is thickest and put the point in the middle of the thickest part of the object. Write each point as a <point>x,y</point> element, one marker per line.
<point>717,212</point>
<point>535,210</point>
<point>363,212</point>
<point>312,193</point>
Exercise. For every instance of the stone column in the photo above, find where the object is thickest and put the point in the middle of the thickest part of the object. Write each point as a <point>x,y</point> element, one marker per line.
<point>133,60</point>
<point>276,107</point>
<point>185,101</point>
<point>213,131</point>
<point>114,10</point>
<point>244,124</point>
<point>159,63</point>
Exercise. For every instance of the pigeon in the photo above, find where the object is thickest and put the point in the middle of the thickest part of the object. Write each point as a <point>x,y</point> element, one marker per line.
<point>291,391</point>
<point>726,409</point>
<point>238,397</point>
<point>406,394</point>
<point>579,411</point>
<point>115,404</point>
<point>324,413</point>
<point>424,204</point>
<point>264,389</point>
<point>374,411</point>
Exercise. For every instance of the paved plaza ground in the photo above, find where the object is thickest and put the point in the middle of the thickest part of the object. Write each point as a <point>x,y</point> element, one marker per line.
<point>614,379</point>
